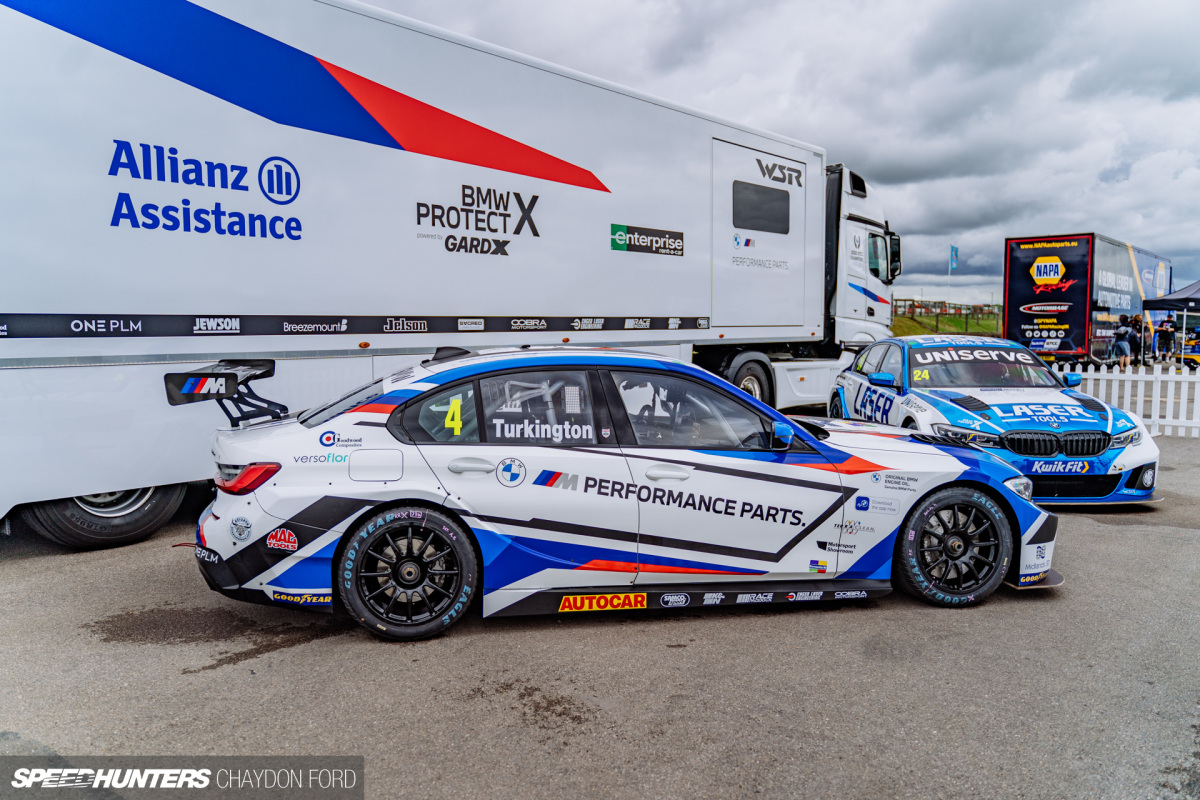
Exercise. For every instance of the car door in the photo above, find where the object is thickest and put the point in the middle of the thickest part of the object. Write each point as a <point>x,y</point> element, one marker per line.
<point>860,394</point>
<point>521,454</point>
<point>713,498</point>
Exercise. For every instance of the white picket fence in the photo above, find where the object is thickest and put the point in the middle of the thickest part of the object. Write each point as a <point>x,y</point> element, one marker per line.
<point>1163,396</point>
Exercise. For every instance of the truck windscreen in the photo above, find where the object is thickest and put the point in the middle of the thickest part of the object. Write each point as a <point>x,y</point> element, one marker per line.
<point>969,367</point>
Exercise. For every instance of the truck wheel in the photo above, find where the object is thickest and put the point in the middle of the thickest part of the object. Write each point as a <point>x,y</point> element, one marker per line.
<point>751,378</point>
<point>408,573</point>
<point>110,519</point>
<point>836,411</point>
<point>954,548</point>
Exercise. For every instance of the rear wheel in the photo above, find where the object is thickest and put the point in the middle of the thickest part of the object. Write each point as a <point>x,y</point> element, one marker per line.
<point>751,378</point>
<point>108,519</point>
<point>408,573</point>
<point>954,548</point>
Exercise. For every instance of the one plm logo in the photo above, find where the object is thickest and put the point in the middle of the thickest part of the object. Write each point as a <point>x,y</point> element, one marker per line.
<point>279,180</point>
<point>1060,467</point>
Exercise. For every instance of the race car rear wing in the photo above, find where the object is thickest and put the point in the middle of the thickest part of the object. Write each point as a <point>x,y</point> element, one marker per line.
<point>227,382</point>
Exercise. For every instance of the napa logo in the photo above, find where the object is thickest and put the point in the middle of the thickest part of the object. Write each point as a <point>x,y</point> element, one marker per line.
<point>1047,270</point>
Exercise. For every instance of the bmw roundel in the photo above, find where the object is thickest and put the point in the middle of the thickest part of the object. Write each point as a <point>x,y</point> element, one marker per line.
<point>510,472</point>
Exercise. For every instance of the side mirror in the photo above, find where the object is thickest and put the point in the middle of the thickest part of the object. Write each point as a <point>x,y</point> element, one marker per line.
<point>782,436</point>
<point>1072,379</point>
<point>893,257</point>
<point>884,379</point>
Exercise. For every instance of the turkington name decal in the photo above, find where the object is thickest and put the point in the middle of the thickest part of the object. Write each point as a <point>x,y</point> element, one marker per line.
<point>276,179</point>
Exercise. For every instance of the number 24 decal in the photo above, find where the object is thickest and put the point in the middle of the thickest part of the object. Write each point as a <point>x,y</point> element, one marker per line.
<point>920,374</point>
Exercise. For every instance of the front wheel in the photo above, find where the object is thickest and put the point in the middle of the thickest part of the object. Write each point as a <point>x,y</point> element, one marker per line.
<point>836,410</point>
<point>110,519</point>
<point>954,548</point>
<point>408,573</point>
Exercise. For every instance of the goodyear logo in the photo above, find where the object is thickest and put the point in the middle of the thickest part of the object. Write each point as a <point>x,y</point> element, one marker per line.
<point>1047,270</point>
<point>303,599</point>
<point>1026,579</point>
<point>602,602</point>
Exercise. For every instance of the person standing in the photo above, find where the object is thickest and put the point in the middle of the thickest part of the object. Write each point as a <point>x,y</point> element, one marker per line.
<point>1120,348</point>
<point>1135,340</point>
<point>1166,336</point>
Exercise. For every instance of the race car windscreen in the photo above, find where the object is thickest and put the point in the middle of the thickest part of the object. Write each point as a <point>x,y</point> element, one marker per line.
<point>998,367</point>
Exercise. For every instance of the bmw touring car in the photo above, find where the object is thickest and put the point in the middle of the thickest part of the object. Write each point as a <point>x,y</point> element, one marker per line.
<point>559,481</point>
<point>998,395</point>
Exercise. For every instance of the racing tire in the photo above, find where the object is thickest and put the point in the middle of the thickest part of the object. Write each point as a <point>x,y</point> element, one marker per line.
<point>954,548</point>
<point>835,409</point>
<point>408,573</point>
<point>111,519</point>
<point>752,379</point>
<point>910,424</point>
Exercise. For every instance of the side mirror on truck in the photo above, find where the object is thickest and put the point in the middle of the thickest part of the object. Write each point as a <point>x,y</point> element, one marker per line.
<point>893,257</point>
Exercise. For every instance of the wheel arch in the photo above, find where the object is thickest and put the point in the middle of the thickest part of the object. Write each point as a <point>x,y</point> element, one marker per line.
<point>1010,515</point>
<point>383,507</point>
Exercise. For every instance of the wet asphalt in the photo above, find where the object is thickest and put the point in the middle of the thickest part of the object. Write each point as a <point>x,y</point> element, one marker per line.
<point>1088,691</point>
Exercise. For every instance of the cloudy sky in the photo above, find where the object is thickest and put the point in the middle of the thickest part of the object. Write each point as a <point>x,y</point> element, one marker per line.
<point>974,120</point>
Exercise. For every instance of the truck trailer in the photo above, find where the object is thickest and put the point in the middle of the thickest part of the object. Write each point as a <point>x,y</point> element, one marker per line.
<point>315,193</point>
<point>1064,295</point>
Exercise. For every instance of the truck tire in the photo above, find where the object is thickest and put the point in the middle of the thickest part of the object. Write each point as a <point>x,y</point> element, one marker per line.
<point>111,519</point>
<point>752,379</point>
<point>954,548</point>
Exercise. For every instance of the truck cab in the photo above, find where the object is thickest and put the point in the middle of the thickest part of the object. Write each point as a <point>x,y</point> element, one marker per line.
<point>863,257</point>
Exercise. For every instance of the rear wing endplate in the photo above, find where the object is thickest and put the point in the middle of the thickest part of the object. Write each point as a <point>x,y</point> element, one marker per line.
<point>227,382</point>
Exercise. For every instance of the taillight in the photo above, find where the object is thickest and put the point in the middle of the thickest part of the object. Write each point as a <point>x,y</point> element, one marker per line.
<point>246,479</point>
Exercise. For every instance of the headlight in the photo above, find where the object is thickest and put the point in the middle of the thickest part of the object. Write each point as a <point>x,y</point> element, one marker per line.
<point>967,436</point>
<point>1021,485</point>
<point>1126,439</point>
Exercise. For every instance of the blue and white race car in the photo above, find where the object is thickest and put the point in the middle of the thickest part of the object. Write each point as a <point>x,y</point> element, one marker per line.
<point>556,481</point>
<point>998,395</point>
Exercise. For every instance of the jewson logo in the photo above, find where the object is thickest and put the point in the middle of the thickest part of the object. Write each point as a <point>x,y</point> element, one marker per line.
<point>217,325</point>
<point>279,180</point>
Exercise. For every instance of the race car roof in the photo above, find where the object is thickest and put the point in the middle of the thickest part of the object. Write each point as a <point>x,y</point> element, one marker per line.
<point>936,340</point>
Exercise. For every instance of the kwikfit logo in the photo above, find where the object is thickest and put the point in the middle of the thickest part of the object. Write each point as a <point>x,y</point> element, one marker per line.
<point>1060,467</point>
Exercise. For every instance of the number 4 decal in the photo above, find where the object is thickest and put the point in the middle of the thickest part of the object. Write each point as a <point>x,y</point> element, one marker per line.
<point>454,416</point>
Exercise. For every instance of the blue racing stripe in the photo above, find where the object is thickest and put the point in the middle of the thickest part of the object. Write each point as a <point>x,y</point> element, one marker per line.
<point>218,56</point>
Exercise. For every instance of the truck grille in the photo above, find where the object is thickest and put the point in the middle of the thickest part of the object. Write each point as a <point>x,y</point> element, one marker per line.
<point>1031,443</point>
<point>1040,444</point>
<point>1073,486</point>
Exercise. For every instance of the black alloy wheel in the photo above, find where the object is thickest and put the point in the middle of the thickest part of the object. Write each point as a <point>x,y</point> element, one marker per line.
<point>408,573</point>
<point>954,549</point>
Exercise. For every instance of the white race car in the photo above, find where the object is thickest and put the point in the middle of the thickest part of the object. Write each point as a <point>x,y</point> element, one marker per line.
<point>998,395</point>
<point>555,481</point>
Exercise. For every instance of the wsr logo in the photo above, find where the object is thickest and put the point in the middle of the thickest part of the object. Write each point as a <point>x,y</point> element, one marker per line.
<point>279,180</point>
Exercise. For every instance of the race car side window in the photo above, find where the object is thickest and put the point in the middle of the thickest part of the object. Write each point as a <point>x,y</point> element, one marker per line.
<point>872,359</point>
<point>669,411</point>
<point>893,363</point>
<point>445,417</point>
<point>545,408</point>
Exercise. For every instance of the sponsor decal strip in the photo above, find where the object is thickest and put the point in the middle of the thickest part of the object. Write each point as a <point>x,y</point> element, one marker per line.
<point>70,326</point>
<point>263,75</point>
